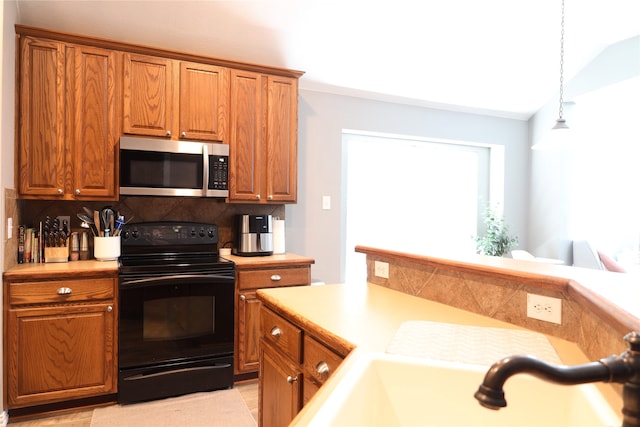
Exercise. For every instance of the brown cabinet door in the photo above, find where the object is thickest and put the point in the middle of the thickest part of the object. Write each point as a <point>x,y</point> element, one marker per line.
<point>204,95</point>
<point>280,385</point>
<point>148,95</point>
<point>95,122</point>
<point>248,333</point>
<point>60,353</point>
<point>42,118</point>
<point>246,136</point>
<point>282,140</point>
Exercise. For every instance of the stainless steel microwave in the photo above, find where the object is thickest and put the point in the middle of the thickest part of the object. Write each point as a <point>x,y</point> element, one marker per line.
<point>159,167</point>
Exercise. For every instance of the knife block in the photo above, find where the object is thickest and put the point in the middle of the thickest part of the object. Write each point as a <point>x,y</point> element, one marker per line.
<point>56,254</point>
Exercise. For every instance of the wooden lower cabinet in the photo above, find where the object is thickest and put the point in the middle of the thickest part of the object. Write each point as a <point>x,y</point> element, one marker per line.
<point>247,354</point>
<point>281,400</point>
<point>293,366</point>
<point>60,340</point>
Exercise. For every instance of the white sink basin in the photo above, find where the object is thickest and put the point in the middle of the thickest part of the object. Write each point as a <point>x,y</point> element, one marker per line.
<point>391,390</point>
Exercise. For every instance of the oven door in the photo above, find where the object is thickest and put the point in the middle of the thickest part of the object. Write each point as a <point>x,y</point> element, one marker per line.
<point>175,318</point>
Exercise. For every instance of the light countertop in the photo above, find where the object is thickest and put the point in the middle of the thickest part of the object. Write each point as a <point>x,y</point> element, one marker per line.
<point>47,270</point>
<point>366,317</point>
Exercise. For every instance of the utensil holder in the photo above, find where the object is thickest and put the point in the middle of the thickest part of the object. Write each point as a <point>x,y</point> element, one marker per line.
<point>106,248</point>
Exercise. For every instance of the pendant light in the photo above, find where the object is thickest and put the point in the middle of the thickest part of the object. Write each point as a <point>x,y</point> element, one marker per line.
<point>558,138</point>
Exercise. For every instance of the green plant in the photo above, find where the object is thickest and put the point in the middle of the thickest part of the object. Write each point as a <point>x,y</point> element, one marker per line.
<point>496,240</point>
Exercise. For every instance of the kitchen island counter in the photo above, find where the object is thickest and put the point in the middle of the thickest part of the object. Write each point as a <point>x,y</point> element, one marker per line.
<point>364,318</point>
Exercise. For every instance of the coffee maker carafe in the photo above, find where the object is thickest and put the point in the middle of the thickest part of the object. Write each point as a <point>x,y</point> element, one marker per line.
<point>253,235</point>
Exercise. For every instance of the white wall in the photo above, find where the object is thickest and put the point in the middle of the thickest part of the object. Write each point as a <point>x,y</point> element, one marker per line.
<point>550,210</point>
<point>322,117</point>
<point>8,14</point>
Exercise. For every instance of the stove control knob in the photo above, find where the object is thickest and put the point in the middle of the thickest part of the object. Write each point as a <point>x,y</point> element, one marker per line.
<point>125,235</point>
<point>202,232</point>
<point>211,234</point>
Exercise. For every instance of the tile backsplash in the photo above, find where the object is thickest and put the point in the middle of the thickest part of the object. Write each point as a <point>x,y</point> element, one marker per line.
<point>139,209</point>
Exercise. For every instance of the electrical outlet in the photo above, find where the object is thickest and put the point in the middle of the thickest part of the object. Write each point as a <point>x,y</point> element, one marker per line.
<point>544,308</point>
<point>381,269</point>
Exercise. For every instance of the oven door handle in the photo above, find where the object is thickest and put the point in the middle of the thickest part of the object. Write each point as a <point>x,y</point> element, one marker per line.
<point>191,278</point>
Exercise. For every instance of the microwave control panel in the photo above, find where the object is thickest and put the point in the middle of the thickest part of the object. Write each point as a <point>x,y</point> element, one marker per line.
<point>218,172</point>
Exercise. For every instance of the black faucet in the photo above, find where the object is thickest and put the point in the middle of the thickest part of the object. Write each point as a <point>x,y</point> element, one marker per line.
<point>624,368</point>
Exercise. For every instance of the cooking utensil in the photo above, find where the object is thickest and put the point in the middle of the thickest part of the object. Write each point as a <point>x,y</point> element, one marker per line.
<point>107,217</point>
<point>96,223</point>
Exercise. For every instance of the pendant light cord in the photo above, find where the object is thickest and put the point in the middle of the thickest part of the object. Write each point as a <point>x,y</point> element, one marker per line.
<point>561,62</point>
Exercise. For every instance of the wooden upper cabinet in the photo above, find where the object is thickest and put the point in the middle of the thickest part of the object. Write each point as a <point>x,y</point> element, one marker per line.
<point>174,99</point>
<point>148,95</point>
<point>204,95</point>
<point>41,152</point>
<point>282,140</point>
<point>246,135</point>
<point>68,125</point>
<point>263,138</point>
<point>96,122</point>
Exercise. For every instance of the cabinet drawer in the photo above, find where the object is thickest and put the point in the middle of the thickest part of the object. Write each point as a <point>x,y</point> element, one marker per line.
<point>274,277</point>
<point>282,334</point>
<point>60,291</point>
<point>319,361</point>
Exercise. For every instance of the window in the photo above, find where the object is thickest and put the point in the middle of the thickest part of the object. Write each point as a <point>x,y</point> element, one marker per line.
<point>412,195</point>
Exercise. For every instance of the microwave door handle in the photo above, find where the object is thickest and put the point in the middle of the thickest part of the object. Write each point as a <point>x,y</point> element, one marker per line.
<point>205,169</point>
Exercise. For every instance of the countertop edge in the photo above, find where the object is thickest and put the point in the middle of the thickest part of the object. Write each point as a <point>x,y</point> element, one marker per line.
<point>337,343</point>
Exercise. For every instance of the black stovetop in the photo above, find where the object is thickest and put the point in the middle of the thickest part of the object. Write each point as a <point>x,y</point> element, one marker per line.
<point>171,247</point>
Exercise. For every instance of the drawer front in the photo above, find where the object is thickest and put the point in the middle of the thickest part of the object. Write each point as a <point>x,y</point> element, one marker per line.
<point>319,361</point>
<point>61,291</point>
<point>282,334</point>
<point>274,277</point>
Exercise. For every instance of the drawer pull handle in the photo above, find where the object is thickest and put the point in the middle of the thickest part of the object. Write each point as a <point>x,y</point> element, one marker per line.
<point>243,298</point>
<point>64,291</point>
<point>322,368</point>
<point>276,332</point>
<point>110,308</point>
<point>276,277</point>
<point>291,379</point>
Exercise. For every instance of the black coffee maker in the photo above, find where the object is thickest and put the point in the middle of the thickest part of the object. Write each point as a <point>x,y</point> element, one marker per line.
<point>253,235</point>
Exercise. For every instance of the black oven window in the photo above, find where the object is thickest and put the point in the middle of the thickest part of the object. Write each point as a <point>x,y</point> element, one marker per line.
<point>178,318</point>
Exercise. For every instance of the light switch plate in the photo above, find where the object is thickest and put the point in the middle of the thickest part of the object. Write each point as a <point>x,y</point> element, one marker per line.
<point>326,203</point>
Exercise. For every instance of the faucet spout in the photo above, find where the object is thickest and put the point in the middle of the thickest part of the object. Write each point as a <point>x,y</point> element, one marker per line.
<point>624,368</point>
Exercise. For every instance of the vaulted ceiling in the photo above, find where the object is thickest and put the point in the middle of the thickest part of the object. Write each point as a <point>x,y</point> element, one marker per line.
<point>497,57</point>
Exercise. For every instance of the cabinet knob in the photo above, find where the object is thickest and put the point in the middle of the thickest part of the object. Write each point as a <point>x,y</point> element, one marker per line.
<point>322,368</point>
<point>64,291</point>
<point>77,191</point>
<point>168,133</point>
<point>257,197</point>
<point>276,332</point>
<point>243,298</point>
<point>291,379</point>
<point>270,197</point>
<point>276,277</point>
<point>60,191</point>
<point>110,308</point>
<point>183,135</point>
